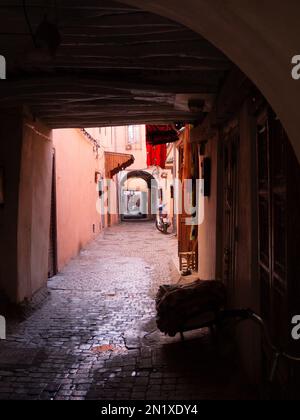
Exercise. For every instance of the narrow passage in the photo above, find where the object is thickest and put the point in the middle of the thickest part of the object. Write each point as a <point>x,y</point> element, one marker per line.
<point>90,339</point>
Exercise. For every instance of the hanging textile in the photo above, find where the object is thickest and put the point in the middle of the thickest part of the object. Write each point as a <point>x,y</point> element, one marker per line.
<point>157,138</point>
<point>161,134</point>
<point>157,155</point>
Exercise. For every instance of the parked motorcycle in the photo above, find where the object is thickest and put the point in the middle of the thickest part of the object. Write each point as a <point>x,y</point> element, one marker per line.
<point>162,221</point>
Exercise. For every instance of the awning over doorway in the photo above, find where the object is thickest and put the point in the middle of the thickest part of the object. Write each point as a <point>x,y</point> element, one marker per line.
<point>157,138</point>
<point>116,162</point>
<point>161,134</point>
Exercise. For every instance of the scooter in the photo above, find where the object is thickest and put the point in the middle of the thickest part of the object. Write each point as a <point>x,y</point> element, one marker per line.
<point>162,221</point>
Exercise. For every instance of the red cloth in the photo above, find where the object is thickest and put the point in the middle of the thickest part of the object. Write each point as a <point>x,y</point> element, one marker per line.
<point>161,134</point>
<point>157,155</point>
<point>157,137</point>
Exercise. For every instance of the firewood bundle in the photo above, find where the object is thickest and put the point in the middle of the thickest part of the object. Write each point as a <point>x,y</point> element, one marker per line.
<point>180,306</point>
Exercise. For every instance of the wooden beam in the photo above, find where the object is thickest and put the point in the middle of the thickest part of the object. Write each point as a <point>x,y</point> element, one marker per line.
<point>116,65</point>
<point>233,93</point>
<point>70,84</point>
<point>198,48</point>
<point>128,37</point>
<point>132,18</point>
<point>110,122</point>
<point>81,19</point>
<point>171,64</point>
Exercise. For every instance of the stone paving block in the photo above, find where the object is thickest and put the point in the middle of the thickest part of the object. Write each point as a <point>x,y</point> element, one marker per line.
<point>106,296</point>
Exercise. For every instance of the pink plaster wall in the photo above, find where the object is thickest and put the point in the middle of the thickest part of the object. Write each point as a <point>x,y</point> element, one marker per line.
<point>34,209</point>
<point>76,164</point>
<point>25,156</point>
<point>208,230</point>
<point>115,139</point>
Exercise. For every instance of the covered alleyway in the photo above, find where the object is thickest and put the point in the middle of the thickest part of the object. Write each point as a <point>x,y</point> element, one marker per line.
<point>105,297</point>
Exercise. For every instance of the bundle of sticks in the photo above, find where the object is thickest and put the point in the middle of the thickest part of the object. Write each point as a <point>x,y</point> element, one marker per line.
<point>182,307</point>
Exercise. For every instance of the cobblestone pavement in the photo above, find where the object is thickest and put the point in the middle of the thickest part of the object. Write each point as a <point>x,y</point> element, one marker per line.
<point>95,338</point>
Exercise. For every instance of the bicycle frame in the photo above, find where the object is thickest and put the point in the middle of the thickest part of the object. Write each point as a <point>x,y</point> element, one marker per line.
<point>248,314</point>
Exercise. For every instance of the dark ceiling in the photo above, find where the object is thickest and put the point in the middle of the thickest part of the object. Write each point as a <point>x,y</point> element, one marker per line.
<point>115,64</point>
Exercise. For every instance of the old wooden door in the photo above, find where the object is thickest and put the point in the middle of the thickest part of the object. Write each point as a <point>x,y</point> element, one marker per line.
<point>184,231</point>
<point>278,176</point>
<point>230,196</point>
<point>272,200</point>
<point>188,233</point>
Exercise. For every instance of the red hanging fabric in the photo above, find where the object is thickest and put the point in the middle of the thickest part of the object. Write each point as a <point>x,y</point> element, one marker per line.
<point>161,134</point>
<point>157,155</point>
<point>157,137</point>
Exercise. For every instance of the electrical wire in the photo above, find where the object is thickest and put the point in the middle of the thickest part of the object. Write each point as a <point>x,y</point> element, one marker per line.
<point>39,133</point>
<point>29,23</point>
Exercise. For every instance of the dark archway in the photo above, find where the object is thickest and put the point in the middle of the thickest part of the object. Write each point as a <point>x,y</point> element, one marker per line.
<point>152,187</point>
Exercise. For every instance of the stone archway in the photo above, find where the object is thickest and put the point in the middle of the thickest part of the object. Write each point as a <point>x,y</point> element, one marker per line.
<point>259,36</point>
<point>151,184</point>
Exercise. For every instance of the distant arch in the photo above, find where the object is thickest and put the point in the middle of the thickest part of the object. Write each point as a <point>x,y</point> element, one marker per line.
<point>152,185</point>
<point>146,176</point>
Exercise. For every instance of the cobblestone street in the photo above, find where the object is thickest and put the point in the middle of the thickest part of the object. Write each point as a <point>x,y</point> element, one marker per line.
<point>95,338</point>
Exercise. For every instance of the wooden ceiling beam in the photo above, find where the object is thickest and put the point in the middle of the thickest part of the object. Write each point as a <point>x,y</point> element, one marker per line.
<point>135,37</point>
<point>198,48</point>
<point>91,86</point>
<point>116,65</point>
<point>92,18</point>
<point>69,122</point>
<point>102,19</point>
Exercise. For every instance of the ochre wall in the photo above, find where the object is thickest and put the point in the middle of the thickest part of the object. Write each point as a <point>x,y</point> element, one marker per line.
<point>136,184</point>
<point>114,139</point>
<point>25,156</point>
<point>208,230</point>
<point>245,292</point>
<point>34,209</point>
<point>76,192</point>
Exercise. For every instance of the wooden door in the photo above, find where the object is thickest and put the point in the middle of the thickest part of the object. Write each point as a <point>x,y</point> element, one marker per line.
<point>278,180</point>
<point>184,231</point>
<point>230,196</point>
<point>272,201</point>
<point>188,234</point>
